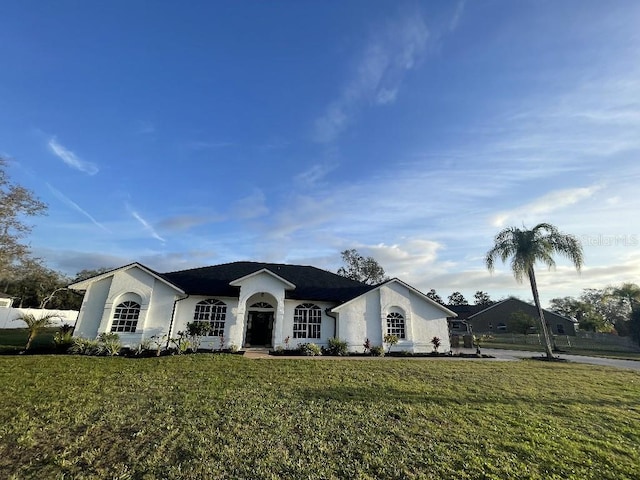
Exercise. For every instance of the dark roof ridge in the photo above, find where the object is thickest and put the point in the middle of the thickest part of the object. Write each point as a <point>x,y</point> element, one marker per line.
<point>247,262</point>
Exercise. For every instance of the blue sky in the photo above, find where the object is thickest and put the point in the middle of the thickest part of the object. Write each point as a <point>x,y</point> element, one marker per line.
<point>183,134</point>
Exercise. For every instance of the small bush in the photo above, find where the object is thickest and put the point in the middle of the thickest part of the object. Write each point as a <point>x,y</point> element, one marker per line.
<point>109,344</point>
<point>84,346</point>
<point>195,331</point>
<point>310,349</point>
<point>336,348</point>
<point>390,340</point>
<point>181,343</point>
<point>367,345</point>
<point>63,339</point>
<point>377,350</point>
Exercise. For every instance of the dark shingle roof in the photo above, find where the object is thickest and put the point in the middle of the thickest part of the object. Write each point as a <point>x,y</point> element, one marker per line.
<point>311,283</point>
<point>465,311</point>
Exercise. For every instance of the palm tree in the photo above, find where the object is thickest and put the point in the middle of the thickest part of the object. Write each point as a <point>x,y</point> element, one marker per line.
<point>628,293</point>
<point>34,325</point>
<point>525,248</point>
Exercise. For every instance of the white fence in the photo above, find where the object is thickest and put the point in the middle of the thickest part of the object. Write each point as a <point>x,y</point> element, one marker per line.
<point>8,315</point>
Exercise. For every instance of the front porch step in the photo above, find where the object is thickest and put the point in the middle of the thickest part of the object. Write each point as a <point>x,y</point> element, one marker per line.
<point>256,352</point>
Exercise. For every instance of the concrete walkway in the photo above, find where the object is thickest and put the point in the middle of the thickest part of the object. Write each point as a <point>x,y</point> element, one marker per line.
<point>520,354</point>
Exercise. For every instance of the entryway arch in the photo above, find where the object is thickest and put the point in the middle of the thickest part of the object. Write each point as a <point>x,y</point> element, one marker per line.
<point>260,320</point>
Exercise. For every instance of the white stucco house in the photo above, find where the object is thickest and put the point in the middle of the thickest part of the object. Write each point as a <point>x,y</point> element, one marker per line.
<point>252,304</point>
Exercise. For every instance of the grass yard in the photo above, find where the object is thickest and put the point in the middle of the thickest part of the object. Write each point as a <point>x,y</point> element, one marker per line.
<point>13,340</point>
<point>225,416</point>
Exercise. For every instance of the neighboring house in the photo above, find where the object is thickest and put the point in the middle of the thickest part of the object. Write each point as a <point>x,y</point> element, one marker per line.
<point>5,300</point>
<point>251,304</point>
<point>458,324</point>
<point>498,318</point>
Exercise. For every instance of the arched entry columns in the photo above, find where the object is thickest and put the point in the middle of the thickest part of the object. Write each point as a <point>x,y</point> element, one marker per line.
<point>261,286</point>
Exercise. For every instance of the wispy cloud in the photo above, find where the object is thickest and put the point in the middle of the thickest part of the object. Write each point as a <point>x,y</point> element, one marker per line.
<point>545,204</point>
<point>314,174</point>
<point>147,226</point>
<point>457,14</point>
<point>377,75</point>
<point>67,201</point>
<point>185,222</point>
<point>251,206</point>
<point>70,158</point>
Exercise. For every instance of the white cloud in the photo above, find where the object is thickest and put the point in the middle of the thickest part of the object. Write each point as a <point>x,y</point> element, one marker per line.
<point>67,201</point>
<point>147,226</point>
<point>544,205</point>
<point>378,74</point>
<point>71,159</point>
<point>314,174</point>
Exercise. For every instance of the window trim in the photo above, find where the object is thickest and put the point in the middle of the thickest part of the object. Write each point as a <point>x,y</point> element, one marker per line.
<point>214,312</point>
<point>307,321</point>
<point>397,325</point>
<point>129,324</point>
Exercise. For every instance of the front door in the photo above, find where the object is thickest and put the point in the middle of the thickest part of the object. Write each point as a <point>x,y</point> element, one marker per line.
<point>259,329</point>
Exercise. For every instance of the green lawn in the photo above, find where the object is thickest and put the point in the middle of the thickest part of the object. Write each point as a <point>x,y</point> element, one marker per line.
<point>224,416</point>
<point>13,340</point>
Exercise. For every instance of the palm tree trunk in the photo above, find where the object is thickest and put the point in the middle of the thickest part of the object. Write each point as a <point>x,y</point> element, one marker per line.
<point>543,323</point>
<point>32,335</point>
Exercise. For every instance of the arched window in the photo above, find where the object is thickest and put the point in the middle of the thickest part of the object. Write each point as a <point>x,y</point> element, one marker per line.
<point>125,318</point>
<point>395,325</point>
<point>261,305</point>
<point>214,312</point>
<point>307,319</point>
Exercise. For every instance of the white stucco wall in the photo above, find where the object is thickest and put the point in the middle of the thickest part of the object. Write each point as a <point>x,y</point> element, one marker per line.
<point>359,319</point>
<point>92,308</point>
<point>366,317</point>
<point>156,305</point>
<point>185,310</point>
<point>327,325</point>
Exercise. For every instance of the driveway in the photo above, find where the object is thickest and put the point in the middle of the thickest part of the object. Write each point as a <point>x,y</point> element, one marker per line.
<point>607,362</point>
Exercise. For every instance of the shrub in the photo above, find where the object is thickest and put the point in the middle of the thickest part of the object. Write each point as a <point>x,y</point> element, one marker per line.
<point>158,341</point>
<point>367,345</point>
<point>84,346</point>
<point>109,344</point>
<point>336,348</point>
<point>233,348</point>
<point>390,340</point>
<point>63,338</point>
<point>310,349</point>
<point>195,331</point>
<point>181,343</point>
<point>377,350</point>
<point>436,342</point>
